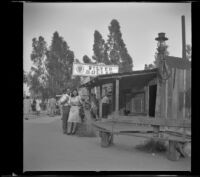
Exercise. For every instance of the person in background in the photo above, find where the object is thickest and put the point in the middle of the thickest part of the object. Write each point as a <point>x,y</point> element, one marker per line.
<point>105,105</point>
<point>74,114</point>
<point>33,105</point>
<point>38,108</point>
<point>27,106</point>
<point>94,106</point>
<point>48,107</point>
<point>52,106</point>
<point>64,102</point>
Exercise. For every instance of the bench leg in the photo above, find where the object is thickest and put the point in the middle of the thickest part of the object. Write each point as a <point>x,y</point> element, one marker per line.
<point>111,139</point>
<point>106,139</point>
<point>172,153</point>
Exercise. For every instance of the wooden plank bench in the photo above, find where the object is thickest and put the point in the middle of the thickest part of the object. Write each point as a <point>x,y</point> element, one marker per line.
<point>147,128</point>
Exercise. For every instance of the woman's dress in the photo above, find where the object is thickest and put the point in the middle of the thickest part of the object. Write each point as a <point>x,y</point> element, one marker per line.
<point>74,110</point>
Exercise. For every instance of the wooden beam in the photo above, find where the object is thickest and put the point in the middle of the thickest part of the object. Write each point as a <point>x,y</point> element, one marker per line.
<point>117,96</point>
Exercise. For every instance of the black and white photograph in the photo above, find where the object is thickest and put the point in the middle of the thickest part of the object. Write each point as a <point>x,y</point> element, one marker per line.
<point>107,86</point>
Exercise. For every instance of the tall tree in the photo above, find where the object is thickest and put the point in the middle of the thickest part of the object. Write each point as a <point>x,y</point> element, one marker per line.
<point>86,59</point>
<point>36,78</point>
<point>100,49</point>
<point>117,52</point>
<point>59,65</point>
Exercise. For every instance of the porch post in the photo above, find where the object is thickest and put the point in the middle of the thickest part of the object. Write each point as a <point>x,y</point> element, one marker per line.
<point>117,96</point>
<point>147,100</point>
<point>100,104</point>
<point>166,98</point>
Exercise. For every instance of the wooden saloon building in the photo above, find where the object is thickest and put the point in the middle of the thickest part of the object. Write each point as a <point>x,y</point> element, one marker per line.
<point>149,103</point>
<point>146,93</point>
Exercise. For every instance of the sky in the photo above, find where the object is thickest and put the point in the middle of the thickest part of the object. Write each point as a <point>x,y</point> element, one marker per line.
<point>76,22</point>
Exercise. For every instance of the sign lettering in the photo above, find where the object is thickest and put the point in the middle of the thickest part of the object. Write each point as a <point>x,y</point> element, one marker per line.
<point>92,70</point>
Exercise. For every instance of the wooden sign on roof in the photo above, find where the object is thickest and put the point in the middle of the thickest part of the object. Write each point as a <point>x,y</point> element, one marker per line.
<point>93,70</point>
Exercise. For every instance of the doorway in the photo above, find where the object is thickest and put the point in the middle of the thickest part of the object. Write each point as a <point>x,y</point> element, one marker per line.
<point>152,100</point>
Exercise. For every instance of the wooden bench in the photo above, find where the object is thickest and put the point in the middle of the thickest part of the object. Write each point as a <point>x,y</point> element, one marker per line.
<point>147,128</point>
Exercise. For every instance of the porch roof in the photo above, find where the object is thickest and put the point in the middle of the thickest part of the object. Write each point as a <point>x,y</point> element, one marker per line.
<point>137,77</point>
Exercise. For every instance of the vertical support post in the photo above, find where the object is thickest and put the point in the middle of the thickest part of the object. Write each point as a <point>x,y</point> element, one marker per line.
<point>166,98</point>
<point>156,129</point>
<point>113,96</point>
<point>184,71</point>
<point>183,38</point>
<point>147,100</point>
<point>184,99</point>
<point>117,96</point>
<point>100,104</point>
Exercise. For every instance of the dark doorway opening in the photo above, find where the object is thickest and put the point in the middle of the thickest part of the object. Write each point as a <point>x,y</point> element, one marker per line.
<point>152,100</point>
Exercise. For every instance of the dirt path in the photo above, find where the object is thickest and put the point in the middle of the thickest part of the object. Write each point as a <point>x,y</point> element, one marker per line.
<point>47,149</point>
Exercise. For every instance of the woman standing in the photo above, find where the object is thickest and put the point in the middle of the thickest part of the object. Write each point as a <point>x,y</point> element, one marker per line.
<point>74,116</point>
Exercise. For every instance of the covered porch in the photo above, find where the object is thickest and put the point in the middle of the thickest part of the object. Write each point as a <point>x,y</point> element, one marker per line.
<point>131,93</point>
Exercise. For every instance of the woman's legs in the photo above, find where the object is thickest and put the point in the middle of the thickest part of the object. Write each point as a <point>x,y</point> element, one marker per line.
<point>74,127</point>
<point>69,127</point>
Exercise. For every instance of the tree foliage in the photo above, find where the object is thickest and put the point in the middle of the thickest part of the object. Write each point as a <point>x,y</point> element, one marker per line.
<point>86,59</point>
<point>117,50</point>
<point>52,68</point>
<point>36,77</point>
<point>100,49</point>
<point>149,66</point>
<point>59,65</point>
<point>25,79</point>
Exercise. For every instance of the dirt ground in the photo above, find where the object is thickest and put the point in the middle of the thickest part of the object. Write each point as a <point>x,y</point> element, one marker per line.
<point>47,149</point>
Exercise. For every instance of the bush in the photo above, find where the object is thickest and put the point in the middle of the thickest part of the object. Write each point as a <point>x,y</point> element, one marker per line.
<point>152,146</point>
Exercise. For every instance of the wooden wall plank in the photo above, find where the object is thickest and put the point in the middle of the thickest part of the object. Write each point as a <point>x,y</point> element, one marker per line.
<point>175,93</point>
<point>180,94</point>
<point>158,100</point>
<point>170,90</point>
<point>163,104</point>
